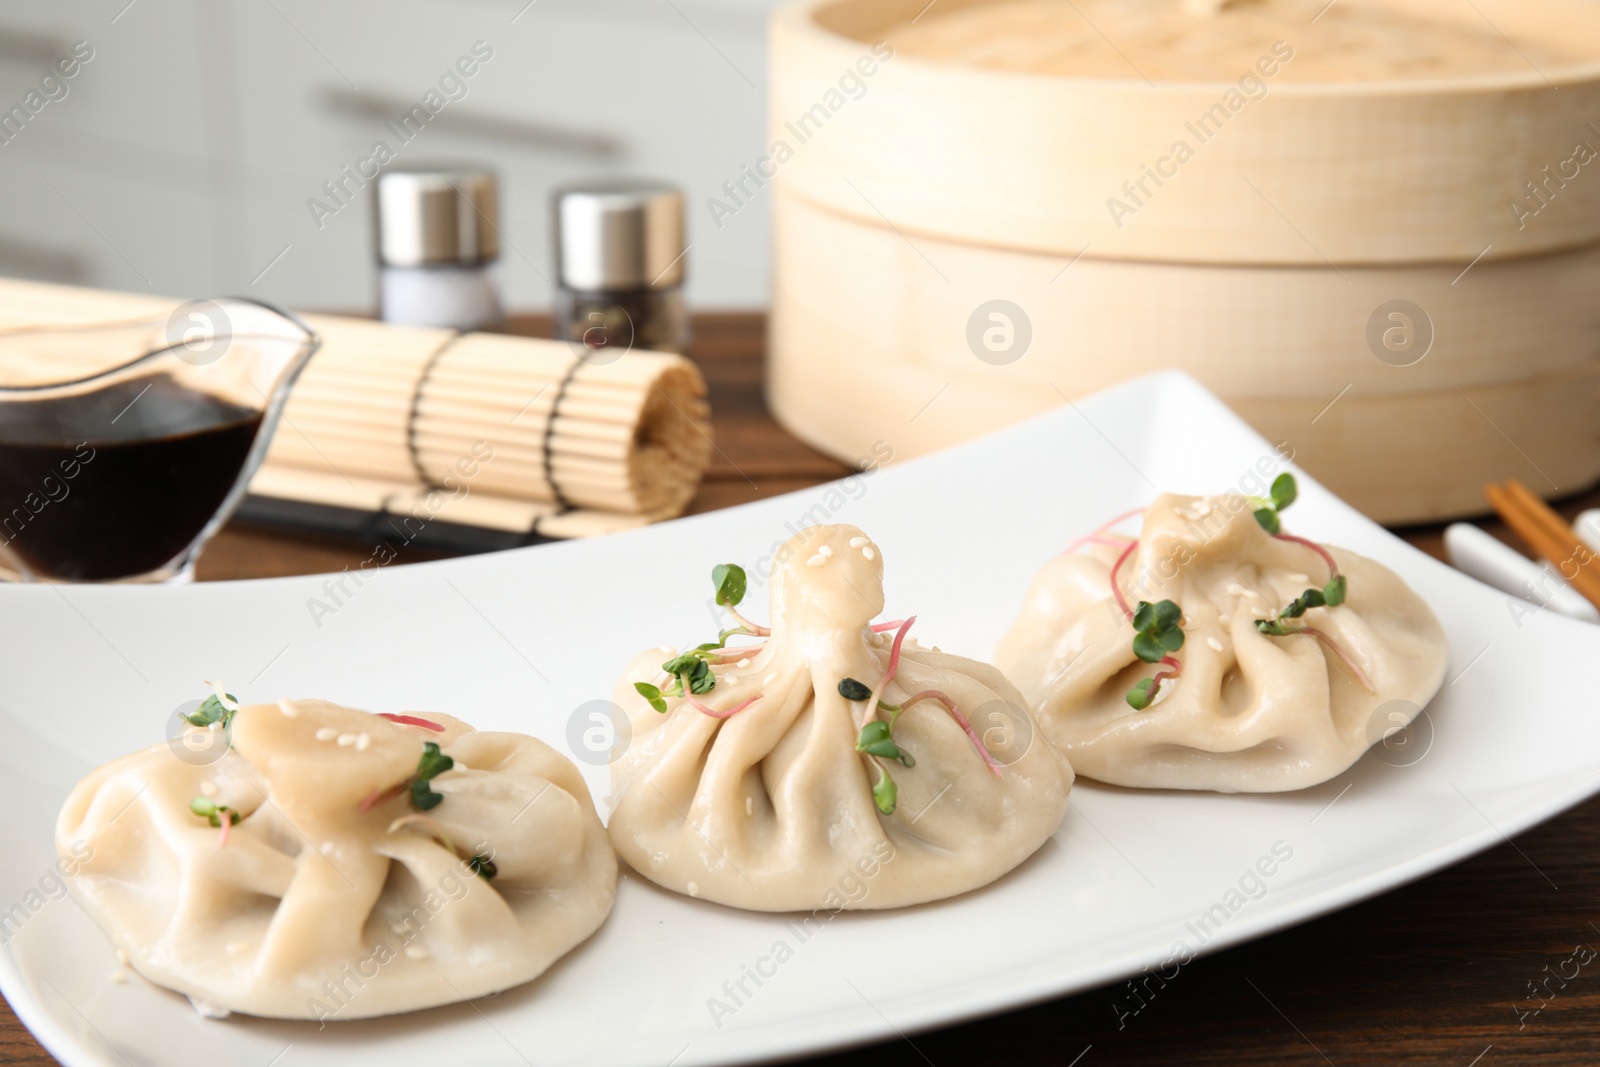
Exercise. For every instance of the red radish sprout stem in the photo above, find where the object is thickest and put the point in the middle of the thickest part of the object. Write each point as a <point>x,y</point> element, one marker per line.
<point>1333,568</point>
<point>1086,538</point>
<point>894,654</point>
<point>1312,631</point>
<point>1116,588</point>
<point>227,821</point>
<point>885,627</point>
<point>758,631</point>
<point>730,713</point>
<point>1161,676</point>
<point>738,654</point>
<point>375,798</point>
<point>412,720</point>
<point>961,720</point>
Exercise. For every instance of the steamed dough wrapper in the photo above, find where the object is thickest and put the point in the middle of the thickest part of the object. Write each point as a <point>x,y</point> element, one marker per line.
<point>1249,712</point>
<point>772,807</point>
<point>315,908</point>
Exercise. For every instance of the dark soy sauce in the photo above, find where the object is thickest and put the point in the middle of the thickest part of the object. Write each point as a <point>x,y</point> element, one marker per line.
<point>116,482</point>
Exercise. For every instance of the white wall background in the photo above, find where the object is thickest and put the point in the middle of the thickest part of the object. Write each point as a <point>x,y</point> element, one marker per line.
<point>183,156</point>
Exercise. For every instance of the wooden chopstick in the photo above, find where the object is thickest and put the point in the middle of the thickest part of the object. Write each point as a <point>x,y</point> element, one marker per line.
<point>1549,535</point>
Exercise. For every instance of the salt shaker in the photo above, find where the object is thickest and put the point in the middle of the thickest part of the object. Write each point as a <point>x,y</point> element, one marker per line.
<point>438,243</point>
<point>619,248</point>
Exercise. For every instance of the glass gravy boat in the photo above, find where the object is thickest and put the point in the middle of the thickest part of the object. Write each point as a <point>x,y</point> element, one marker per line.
<point>125,446</point>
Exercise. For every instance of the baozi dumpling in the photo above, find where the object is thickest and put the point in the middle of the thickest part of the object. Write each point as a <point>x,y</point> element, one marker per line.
<point>834,764</point>
<point>334,864</point>
<point>1209,653</point>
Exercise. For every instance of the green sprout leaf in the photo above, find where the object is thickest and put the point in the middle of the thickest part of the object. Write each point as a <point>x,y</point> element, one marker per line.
<point>483,867</point>
<point>213,812</point>
<point>1158,630</point>
<point>690,665</point>
<point>1284,491</point>
<point>1329,596</point>
<point>1139,696</point>
<point>729,579</point>
<point>423,798</point>
<point>432,762</point>
<point>1162,615</point>
<point>211,710</point>
<point>875,740</point>
<point>885,794</point>
<point>1148,648</point>
<point>652,694</point>
<point>851,689</point>
<point>701,680</point>
<point>1311,598</point>
<point>680,664</point>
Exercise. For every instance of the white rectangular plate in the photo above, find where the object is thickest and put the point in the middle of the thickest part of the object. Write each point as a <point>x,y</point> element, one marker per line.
<point>520,640</point>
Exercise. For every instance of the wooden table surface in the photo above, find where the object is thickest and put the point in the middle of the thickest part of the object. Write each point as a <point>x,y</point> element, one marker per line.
<point>1439,972</point>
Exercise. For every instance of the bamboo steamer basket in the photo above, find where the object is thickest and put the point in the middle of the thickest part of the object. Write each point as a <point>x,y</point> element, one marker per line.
<point>869,341</point>
<point>1369,172</point>
<point>1260,269</point>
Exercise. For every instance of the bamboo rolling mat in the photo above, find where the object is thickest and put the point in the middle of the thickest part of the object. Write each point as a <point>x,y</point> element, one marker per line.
<point>507,433</point>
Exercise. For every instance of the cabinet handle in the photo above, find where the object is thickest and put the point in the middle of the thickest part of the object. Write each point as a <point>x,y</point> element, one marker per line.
<point>46,263</point>
<point>35,49</point>
<point>593,144</point>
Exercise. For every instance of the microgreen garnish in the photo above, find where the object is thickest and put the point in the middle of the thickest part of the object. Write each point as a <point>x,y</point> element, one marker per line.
<point>1157,630</point>
<point>213,812</point>
<point>877,740</point>
<point>729,578</point>
<point>1157,627</point>
<point>432,763</point>
<point>885,794</point>
<point>1329,596</point>
<point>219,815</point>
<point>213,710</point>
<point>652,694</point>
<point>689,673</point>
<point>1284,491</point>
<point>1157,633</point>
<point>483,867</point>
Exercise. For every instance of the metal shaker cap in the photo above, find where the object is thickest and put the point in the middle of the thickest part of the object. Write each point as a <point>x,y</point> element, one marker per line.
<point>619,234</point>
<point>433,216</point>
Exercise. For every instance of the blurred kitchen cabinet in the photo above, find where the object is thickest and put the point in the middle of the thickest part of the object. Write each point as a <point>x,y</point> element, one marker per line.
<point>216,146</point>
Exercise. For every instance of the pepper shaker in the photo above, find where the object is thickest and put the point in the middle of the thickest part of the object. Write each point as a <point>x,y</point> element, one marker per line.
<point>437,244</point>
<point>619,250</point>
